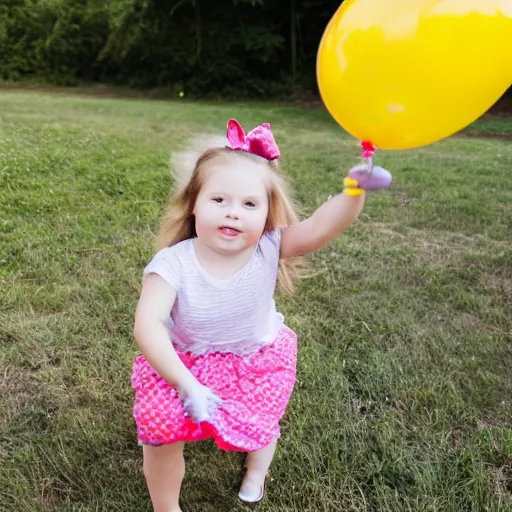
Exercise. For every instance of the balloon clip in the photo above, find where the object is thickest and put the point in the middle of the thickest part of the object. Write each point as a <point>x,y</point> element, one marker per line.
<point>368,152</point>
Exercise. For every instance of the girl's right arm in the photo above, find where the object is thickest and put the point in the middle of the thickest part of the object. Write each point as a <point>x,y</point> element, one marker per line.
<point>151,334</point>
<point>150,331</point>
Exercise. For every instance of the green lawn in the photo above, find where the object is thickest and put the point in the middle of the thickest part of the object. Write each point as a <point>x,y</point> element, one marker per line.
<point>404,392</point>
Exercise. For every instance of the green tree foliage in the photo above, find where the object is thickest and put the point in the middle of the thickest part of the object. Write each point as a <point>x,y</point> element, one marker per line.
<point>238,48</point>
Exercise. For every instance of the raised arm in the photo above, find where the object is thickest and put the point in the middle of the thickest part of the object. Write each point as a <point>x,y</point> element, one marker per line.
<point>326,223</point>
<point>334,216</point>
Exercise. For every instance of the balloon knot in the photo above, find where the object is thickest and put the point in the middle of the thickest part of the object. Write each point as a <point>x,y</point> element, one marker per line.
<point>368,149</point>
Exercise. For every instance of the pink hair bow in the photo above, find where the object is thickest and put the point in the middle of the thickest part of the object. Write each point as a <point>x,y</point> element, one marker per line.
<point>259,141</point>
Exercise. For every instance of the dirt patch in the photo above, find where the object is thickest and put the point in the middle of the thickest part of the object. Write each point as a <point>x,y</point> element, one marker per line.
<point>18,390</point>
<point>307,100</point>
<point>501,284</point>
<point>100,90</point>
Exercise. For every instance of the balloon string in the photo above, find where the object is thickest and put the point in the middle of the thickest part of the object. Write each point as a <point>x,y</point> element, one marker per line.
<point>368,152</point>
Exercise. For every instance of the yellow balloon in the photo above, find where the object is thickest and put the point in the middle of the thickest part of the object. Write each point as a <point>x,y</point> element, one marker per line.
<point>406,73</point>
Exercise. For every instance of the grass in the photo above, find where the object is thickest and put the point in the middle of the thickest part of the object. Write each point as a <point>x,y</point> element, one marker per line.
<point>403,398</point>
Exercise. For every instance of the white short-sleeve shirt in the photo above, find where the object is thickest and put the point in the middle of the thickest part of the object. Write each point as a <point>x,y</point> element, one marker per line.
<point>237,314</point>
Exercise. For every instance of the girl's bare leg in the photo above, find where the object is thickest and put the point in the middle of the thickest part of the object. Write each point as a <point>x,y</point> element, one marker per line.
<point>257,464</point>
<point>164,468</point>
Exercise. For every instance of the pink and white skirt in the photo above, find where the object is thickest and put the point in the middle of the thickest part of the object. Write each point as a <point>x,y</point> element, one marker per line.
<point>255,390</point>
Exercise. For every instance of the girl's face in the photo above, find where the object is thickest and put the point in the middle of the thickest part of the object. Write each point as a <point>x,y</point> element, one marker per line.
<point>232,207</point>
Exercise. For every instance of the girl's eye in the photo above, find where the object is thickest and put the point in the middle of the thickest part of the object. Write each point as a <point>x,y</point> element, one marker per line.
<point>217,199</point>
<point>250,204</point>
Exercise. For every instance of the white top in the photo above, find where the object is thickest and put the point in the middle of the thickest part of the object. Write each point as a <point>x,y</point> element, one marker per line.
<point>237,314</point>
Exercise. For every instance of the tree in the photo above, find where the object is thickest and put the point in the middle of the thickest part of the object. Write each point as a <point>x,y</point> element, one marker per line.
<point>231,47</point>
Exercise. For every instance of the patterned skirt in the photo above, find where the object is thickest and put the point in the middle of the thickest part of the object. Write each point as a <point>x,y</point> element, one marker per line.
<point>255,390</point>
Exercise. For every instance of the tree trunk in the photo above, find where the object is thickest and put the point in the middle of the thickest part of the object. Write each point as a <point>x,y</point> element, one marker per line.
<point>293,39</point>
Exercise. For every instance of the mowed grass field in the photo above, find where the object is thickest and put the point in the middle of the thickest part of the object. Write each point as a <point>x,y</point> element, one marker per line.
<point>404,391</point>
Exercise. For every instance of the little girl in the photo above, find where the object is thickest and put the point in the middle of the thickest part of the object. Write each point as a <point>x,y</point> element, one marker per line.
<point>217,360</point>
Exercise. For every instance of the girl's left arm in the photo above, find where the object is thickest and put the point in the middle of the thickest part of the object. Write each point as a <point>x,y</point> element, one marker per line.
<point>326,223</point>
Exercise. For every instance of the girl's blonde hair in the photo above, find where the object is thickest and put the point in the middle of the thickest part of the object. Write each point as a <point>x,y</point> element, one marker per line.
<point>188,169</point>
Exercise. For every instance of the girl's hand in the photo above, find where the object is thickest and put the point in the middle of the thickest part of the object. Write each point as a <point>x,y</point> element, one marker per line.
<point>378,179</point>
<point>199,402</point>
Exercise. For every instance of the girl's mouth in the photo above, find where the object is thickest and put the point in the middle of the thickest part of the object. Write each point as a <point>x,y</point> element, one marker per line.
<point>231,232</point>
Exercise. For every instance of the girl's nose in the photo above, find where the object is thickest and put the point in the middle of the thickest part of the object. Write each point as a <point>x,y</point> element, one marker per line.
<point>232,212</point>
